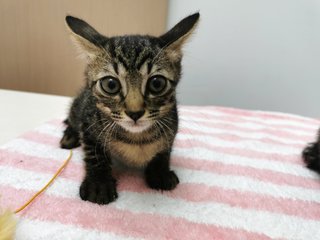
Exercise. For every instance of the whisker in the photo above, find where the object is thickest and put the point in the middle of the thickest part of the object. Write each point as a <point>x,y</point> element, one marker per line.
<point>104,130</point>
<point>107,139</point>
<point>104,119</point>
<point>158,123</point>
<point>169,129</point>
<point>158,54</point>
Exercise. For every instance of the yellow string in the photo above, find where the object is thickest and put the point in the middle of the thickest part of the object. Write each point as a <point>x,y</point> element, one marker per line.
<point>47,185</point>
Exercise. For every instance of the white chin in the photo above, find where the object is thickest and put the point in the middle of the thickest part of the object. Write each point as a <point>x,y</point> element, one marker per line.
<point>135,127</point>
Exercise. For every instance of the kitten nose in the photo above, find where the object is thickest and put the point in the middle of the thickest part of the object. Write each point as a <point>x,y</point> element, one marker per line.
<point>135,115</point>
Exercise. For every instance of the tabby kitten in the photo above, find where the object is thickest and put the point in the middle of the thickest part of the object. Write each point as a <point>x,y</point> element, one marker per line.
<point>311,155</point>
<point>127,109</point>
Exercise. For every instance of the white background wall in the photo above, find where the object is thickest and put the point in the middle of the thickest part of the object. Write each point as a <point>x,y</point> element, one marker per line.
<point>252,54</point>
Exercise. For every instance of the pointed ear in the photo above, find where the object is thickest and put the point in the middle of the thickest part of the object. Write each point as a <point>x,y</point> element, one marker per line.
<point>174,39</point>
<point>85,37</point>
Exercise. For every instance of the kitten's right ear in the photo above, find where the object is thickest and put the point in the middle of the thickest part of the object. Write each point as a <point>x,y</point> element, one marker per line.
<point>173,40</point>
<point>85,37</point>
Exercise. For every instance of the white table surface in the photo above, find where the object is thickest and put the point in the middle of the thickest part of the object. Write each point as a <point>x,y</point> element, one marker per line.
<point>22,111</point>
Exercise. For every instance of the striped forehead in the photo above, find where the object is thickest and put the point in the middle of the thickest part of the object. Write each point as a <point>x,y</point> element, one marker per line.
<point>132,60</point>
<point>132,52</point>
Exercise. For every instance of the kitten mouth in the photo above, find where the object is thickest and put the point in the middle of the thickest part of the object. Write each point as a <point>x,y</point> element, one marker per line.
<point>135,127</point>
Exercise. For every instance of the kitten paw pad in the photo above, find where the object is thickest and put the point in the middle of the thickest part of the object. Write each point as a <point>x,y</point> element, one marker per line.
<point>98,192</point>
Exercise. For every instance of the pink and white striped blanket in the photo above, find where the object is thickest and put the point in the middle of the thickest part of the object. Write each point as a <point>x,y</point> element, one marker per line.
<point>241,176</point>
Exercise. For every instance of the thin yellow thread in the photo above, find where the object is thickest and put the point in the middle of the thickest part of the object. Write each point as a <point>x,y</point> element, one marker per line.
<point>47,185</point>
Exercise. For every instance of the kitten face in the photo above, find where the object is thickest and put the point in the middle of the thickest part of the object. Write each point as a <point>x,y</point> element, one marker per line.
<point>134,82</point>
<point>133,77</point>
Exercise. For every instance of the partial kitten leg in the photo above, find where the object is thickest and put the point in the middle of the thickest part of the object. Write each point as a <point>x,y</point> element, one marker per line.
<point>311,155</point>
<point>70,137</point>
<point>98,185</point>
<point>158,174</point>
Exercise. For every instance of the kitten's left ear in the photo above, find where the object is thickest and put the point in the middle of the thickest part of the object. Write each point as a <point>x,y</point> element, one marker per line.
<point>85,37</point>
<point>174,39</point>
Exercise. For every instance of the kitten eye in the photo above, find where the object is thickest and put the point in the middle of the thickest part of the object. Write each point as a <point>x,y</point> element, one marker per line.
<point>110,85</point>
<point>157,84</point>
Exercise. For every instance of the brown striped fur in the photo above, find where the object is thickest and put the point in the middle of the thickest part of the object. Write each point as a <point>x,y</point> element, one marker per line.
<point>127,109</point>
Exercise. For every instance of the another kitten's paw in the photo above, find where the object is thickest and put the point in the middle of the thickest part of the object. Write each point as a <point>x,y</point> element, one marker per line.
<point>98,192</point>
<point>311,156</point>
<point>69,140</point>
<point>164,181</point>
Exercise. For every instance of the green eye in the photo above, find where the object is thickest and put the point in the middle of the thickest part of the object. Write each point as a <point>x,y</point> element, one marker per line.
<point>157,84</point>
<point>110,85</point>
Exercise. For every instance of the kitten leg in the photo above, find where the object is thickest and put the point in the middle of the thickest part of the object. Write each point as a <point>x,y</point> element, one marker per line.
<point>70,137</point>
<point>311,156</point>
<point>98,185</point>
<point>158,174</point>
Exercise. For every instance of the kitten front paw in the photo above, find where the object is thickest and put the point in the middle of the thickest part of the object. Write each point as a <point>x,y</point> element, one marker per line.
<point>98,192</point>
<point>70,139</point>
<point>311,156</point>
<point>69,142</point>
<point>164,181</point>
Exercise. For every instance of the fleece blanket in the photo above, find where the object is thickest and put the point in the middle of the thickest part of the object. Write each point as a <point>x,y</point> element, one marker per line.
<point>241,174</point>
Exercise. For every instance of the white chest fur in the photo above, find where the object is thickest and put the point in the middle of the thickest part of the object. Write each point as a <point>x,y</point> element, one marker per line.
<point>134,154</point>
